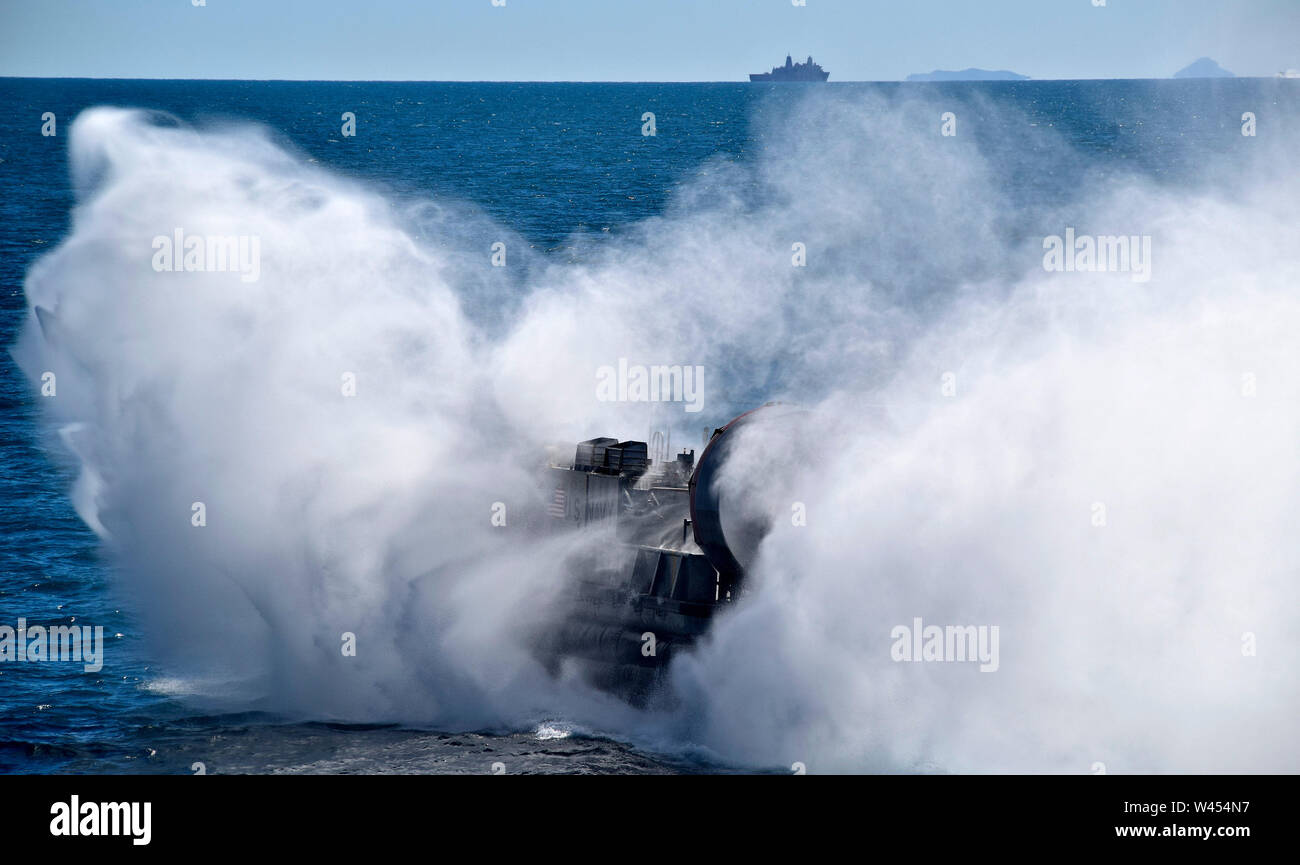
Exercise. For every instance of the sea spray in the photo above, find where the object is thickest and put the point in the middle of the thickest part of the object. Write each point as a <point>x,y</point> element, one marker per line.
<point>981,409</point>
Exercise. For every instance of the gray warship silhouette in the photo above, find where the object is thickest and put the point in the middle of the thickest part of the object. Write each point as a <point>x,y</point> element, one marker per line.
<point>791,71</point>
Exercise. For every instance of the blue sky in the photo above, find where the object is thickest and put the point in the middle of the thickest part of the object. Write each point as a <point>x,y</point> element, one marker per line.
<point>638,40</point>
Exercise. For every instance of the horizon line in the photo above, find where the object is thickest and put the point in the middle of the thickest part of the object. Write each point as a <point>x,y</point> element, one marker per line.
<point>1019,80</point>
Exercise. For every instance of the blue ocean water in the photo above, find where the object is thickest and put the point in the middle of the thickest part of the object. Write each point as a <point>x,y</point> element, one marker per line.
<point>565,166</point>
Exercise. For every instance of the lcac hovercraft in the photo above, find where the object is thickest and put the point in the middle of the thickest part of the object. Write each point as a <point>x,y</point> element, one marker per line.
<point>665,556</point>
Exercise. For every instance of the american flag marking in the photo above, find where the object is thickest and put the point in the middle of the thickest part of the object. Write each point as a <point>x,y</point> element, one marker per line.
<point>557,507</point>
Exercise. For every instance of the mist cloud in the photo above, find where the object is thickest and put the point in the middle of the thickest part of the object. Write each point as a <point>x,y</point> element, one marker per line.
<point>369,514</point>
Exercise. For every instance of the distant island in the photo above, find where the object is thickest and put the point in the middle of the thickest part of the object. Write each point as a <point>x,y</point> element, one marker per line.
<point>967,75</point>
<point>1203,68</point>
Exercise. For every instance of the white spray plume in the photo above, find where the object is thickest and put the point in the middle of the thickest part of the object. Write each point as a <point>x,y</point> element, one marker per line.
<point>371,514</point>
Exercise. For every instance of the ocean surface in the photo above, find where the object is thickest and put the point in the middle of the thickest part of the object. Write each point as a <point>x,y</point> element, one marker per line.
<point>566,168</point>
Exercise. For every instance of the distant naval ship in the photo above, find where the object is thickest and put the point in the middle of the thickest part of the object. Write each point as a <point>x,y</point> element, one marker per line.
<point>792,71</point>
